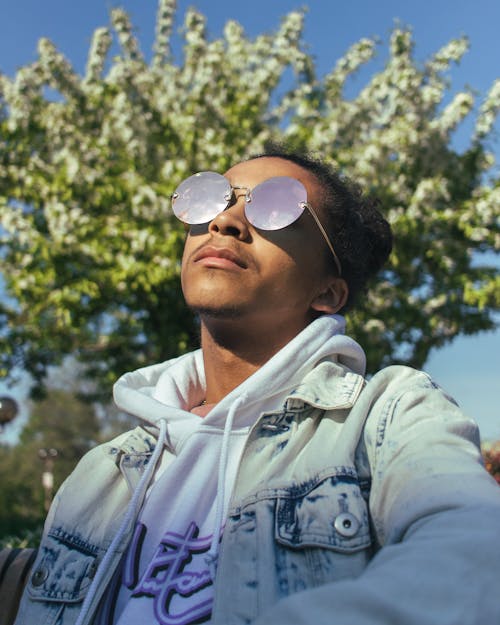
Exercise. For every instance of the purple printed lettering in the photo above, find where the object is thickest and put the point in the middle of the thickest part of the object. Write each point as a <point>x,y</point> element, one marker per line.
<point>165,578</point>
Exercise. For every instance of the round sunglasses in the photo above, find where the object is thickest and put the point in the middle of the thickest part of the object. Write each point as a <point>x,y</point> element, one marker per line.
<point>271,205</point>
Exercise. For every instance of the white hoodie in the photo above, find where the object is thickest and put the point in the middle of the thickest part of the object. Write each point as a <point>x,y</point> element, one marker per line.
<point>168,572</point>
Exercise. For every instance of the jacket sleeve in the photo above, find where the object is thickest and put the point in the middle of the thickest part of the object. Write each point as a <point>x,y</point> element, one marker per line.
<point>435,514</point>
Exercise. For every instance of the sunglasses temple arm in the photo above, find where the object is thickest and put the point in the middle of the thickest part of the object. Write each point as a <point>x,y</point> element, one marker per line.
<point>327,239</point>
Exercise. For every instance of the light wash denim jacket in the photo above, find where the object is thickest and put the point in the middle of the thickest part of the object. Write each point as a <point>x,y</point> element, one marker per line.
<point>358,503</point>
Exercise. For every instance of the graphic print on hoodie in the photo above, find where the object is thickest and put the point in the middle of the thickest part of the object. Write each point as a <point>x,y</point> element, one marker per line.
<point>167,573</point>
<point>177,578</point>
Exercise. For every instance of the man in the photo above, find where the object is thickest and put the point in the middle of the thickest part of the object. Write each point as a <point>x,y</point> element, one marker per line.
<point>269,482</point>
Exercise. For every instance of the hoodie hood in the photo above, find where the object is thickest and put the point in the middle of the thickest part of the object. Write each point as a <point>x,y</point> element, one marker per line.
<point>170,389</point>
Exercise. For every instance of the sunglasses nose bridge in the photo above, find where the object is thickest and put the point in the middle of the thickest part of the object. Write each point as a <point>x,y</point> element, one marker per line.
<point>232,196</point>
<point>247,193</point>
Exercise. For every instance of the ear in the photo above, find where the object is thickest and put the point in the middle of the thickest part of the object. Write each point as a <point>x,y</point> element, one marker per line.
<point>332,298</point>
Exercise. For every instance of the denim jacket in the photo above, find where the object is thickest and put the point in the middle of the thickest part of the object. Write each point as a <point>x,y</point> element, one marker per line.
<point>357,503</point>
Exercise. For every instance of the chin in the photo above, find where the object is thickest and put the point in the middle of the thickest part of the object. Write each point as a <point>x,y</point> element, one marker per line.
<point>217,311</point>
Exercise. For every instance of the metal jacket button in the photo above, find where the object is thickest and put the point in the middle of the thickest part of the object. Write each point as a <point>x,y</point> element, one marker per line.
<point>39,576</point>
<point>346,524</point>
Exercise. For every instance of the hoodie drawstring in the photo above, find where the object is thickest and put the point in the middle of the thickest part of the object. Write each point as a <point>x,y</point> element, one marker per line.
<point>130,515</point>
<point>212,555</point>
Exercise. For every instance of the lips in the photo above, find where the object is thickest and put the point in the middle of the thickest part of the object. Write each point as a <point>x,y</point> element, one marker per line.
<point>223,253</point>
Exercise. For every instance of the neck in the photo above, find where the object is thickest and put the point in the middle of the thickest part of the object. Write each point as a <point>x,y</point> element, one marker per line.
<point>231,354</point>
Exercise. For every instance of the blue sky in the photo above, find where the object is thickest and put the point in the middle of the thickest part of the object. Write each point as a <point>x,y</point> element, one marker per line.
<point>470,367</point>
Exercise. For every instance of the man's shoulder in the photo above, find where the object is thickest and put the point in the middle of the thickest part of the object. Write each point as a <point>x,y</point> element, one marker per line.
<point>136,441</point>
<point>399,397</point>
<point>399,379</point>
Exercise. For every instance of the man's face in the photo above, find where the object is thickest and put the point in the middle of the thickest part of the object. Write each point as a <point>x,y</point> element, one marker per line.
<point>231,269</point>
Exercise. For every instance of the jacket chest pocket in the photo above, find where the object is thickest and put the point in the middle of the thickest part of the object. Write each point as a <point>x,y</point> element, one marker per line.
<point>322,532</point>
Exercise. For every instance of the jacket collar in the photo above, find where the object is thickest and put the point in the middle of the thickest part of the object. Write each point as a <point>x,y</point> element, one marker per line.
<point>328,386</point>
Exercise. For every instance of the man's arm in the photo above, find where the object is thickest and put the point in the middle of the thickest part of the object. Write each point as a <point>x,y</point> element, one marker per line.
<point>436,514</point>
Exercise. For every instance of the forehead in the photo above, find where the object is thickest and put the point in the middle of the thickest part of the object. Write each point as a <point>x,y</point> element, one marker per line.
<point>251,173</point>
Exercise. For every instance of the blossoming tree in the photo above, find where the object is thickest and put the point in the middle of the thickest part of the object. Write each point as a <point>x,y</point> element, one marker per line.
<point>90,252</point>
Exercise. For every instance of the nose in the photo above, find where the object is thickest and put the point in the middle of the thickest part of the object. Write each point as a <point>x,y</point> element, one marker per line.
<point>232,220</point>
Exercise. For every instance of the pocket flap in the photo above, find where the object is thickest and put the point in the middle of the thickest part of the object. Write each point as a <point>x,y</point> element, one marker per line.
<point>330,513</point>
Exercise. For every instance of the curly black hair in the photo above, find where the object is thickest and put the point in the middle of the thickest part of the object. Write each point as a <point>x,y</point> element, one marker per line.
<point>361,236</point>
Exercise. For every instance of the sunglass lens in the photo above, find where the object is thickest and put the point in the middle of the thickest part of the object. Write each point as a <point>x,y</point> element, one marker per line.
<point>276,203</point>
<point>201,197</point>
